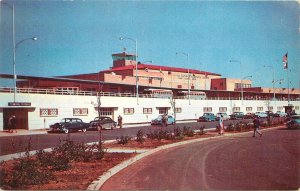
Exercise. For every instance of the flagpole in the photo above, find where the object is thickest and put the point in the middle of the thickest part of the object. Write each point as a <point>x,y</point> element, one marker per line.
<point>288,86</point>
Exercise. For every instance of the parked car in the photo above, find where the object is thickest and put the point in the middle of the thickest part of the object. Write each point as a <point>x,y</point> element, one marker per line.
<point>280,114</point>
<point>270,113</point>
<point>294,122</point>
<point>158,120</point>
<point>224,115</point>
<point>261,114</point>
<point>249,115</point>
<point>207,117</point>
<point>237,115</point>
<point>69,124</point>
<point>102,123</point>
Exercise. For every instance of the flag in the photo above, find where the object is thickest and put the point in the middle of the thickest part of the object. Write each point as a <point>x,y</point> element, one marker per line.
<point>285,61</point>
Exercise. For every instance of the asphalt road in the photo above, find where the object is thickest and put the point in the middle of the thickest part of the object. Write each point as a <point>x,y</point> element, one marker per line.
<point>240,162</point>
<point>20,143</point>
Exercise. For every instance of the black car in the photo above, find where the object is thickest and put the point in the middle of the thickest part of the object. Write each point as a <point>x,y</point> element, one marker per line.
<point>237,115</point>
<point>69,124</point>
<point>103,123</point>
<point>270,113</point>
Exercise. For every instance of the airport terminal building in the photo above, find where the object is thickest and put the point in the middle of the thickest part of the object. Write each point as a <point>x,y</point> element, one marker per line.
<point>137,91</point>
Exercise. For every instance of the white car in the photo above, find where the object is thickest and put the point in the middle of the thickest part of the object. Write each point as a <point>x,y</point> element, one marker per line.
<point>224,115</point>
<point>280,114</point>
<point>261,114</point>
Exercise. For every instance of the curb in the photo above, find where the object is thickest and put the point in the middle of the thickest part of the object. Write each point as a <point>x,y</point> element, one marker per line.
<point>96,184</point>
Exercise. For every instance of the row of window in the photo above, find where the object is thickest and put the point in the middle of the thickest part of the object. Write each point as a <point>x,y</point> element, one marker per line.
<point>52,112</point>
<point>48,112</point>
<point>248,109</point>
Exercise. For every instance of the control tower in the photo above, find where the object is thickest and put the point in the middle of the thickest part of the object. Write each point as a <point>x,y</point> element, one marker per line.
<point>123,59</point>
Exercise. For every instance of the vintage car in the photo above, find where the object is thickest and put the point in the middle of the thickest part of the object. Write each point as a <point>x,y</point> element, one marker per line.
<point>158,120</point>
<point>69,124</point>
<point>224,115</point>
<point>237,115</point>
<point>249,115</point>
<point>294,122</point>
<point>207,117</point>
<point>102,123</point>
<point>261,114</point>
<point>280,114</point>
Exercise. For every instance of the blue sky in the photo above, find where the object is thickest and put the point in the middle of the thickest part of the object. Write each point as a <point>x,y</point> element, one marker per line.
<point>77,37</point>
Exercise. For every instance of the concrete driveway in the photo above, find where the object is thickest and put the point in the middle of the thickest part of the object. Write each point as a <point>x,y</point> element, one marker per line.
<point>237,162</point>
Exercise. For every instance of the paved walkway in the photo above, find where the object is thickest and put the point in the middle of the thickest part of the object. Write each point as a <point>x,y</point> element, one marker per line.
<point>44,131</point>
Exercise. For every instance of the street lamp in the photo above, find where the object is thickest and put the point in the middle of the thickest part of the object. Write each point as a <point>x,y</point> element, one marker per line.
<point>14,62</point>
<point>187,58</point>
<point>205,73</point>
<point>273,81</point>
<point>15,45</point>
<point>242,87</point>
<point>136,67</point>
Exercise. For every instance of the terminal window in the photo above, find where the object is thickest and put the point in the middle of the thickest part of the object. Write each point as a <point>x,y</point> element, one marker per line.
<point>48,112</point>
<point>147,110</point>
<point>128,111</point>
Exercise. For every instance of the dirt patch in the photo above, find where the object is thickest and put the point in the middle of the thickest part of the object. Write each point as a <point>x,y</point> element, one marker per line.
<point>80,175</point>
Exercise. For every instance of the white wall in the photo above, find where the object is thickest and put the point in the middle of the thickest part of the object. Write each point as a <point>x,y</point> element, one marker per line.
<point>66,103</point>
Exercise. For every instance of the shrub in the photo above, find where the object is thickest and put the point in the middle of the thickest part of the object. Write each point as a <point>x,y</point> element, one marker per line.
<point>140,136</point>
<point>123,140</point>
<point>202,132</point>
<point>158,134</point>
<point>26,171</point>
<point>98,151</point>
<point>264,124</point>
<point>230,127</point>
<point>187,132</point>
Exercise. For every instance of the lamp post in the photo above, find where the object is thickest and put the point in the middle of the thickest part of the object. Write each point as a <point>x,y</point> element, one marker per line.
<point>15,45</point>
<point>14,63</point>
<point>242,87</point>
<point>136,67</point>
<point>205,73</point>
<point>280,81</point>
<point>187,58</point>
<point>273,81</point>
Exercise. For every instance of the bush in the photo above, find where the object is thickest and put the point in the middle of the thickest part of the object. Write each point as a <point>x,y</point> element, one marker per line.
<point>158,134</point>
<point>123,140</point>
<point>140,136</point>
<point>98,151</point>
<point>202,132</point>
<point>187,132</point>
<point>230,127</point>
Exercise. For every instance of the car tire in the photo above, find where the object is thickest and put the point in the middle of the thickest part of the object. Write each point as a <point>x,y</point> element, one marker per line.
<point>66,131</point>
<point>84,130</point>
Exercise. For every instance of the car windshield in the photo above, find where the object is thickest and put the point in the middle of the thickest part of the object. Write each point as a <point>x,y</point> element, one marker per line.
<point>206,114</point>
<point>65,120</point>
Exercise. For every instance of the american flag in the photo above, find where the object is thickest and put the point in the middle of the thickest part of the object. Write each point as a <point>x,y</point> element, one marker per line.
<point>285,61</point>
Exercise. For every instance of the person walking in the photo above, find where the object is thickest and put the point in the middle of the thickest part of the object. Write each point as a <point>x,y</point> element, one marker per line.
<point>256,124</point>
<point>12,124</point>
<point>120,121</point>
<point>221,125</point>
<point>9,124</point>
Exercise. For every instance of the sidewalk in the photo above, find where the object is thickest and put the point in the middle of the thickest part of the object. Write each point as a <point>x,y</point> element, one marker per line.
<point>44,131</point>
<point>23,132</point>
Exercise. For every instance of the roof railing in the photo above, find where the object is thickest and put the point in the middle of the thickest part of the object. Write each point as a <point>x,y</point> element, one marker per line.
<point>113,94</point>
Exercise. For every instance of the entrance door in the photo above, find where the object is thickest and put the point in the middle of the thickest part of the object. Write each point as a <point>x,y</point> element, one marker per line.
<point>21,117</point>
